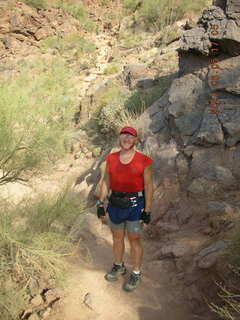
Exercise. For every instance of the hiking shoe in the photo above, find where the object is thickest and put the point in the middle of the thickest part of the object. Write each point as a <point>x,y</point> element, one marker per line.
<point>113,275</point>
<point>133,282</point>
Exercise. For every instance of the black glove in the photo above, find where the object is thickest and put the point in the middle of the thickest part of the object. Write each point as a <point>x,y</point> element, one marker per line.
<point>146,217</point>
<point>100,209</point>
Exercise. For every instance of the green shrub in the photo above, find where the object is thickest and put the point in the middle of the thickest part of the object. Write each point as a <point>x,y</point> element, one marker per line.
<point>11,308</point>
<point>35,118</point>
<point>118,107</point>
<point>139,100</point>
<point>36,3</point>
<point>130,4</point>
<point>131,40</point>
<point>34,238</point>
<point>114,94</point>
<point>160,13</point>
<point>111,69</point>
<point>69,42</point>
<point>79,12</point>
<point>111,105</point>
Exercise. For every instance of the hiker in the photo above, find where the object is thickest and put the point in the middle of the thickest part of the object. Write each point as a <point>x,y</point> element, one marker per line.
<point>128,175</point>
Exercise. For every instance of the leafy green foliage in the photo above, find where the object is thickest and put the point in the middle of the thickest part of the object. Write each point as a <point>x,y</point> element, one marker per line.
<point>160,13</point>
<point>35,118</point>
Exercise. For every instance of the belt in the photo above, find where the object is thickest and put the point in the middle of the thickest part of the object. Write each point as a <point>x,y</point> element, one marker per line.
<point>128,194</point>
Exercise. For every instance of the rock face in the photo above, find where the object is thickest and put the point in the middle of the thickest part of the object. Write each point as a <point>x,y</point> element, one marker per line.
<point>21,27</point>
<point>193,133</point>
<point>200,112</point>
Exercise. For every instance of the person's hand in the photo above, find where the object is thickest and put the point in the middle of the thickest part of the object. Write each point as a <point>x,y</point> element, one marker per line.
<point>146,218</point>
<point>101,211</point>
<point>103,219</point>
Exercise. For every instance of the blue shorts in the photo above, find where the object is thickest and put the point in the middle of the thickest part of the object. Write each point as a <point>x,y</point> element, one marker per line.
<point>118,215</point>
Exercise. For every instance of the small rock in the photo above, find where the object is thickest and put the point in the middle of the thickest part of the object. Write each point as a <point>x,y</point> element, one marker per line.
<point>37,300</point>
<point>33,287</point>
<point>78,155</point>
<point>52,295</point>
<point>208,261</point>
<point>168,227</point>
<point>84,150</point>
<point>96,152</point>
<point>175,250</point>
<point>206,231</point>
<point>89,155</point>
<point>90,78</point>
<point>33,316</point>
<point>145,83</point>
<point>46,313</point>
<point>218,246</point>
<point>43,33</point>
<point>219,208</point>
<point>88,300</point>
<point>224,176</point>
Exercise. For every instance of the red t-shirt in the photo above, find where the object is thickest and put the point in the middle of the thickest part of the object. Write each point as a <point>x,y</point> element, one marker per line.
<point>127,177</point>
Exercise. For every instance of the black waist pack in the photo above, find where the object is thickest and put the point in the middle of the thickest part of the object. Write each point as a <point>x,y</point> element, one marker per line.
<point>123,202</point>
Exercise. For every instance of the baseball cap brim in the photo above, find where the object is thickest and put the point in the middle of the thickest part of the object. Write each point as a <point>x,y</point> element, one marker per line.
<point>130,130</point>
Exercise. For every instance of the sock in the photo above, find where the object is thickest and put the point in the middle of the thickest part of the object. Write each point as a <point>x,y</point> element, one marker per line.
<point>118,264</point>
<point>136,271</point>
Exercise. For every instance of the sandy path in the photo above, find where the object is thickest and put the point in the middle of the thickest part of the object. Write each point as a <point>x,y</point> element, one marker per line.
<point>158,296</point>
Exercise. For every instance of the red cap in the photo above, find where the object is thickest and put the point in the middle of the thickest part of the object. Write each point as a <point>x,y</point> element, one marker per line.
<point>130,130</point>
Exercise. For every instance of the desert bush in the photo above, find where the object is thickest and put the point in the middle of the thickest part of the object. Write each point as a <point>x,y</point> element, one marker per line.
<point>34,238</point>
<point>160,13</point>
<point>229,307</point>
<point>36,109</point>
<point>131,40</point>
<point>36,3</point>
<point>118,106</point>
<point>130,4</point>
<point>114,116</point>
<point>111,69</point>
<point>79,12</point>
<point>111,109</point>
<point>68,42</point>
<point>139,100</point>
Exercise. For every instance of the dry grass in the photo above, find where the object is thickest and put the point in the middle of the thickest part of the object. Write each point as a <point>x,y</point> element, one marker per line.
<point>34,239</point>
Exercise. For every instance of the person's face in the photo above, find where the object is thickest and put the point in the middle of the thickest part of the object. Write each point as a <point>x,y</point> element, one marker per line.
<point>127,141</point>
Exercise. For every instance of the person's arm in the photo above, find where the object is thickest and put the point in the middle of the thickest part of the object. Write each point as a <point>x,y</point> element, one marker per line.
<point>103,193</point>
<point>148,187</point>
<point>104,185</point>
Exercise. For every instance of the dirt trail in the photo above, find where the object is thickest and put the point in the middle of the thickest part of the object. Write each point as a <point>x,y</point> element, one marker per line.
<point>90,296</point>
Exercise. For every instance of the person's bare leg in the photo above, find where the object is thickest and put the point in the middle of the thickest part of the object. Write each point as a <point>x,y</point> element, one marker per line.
<point>118,245</point>
<point>118,252</point>
<point>136,250</point>
<point>136,256</point>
